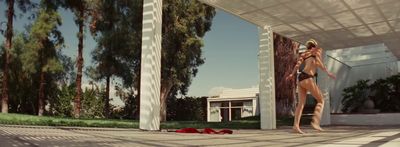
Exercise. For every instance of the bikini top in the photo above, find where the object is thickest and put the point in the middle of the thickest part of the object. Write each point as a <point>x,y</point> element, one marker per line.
<point>310,56</point>
<point>313,56</point>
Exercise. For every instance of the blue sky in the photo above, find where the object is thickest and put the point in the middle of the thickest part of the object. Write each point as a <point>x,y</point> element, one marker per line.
<point>230,49</point>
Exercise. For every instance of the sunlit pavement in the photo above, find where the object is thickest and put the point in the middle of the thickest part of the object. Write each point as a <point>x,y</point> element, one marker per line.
<point>342,136</point>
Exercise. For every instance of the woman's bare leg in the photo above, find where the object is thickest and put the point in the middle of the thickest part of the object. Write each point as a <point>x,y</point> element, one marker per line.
<point>299,109</point>
<point>316,93</point>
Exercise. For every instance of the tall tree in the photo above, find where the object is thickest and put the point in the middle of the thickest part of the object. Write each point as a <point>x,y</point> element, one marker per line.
<point>115,25</point>
<point>103,54</point>
<point>285,55</point>
<point>185,22</point>
<point>41,53</point>
<point>20,83</point>
<point>80,8</point>
<point>23,5</point>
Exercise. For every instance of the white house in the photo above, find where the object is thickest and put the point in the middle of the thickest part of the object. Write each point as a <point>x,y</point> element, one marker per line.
<point>233,104</point>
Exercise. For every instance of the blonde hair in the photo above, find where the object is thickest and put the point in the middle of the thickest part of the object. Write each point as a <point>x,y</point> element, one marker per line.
<point>311,43</point>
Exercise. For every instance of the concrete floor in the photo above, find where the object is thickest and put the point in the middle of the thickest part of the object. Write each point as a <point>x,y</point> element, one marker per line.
<point>349,136</point>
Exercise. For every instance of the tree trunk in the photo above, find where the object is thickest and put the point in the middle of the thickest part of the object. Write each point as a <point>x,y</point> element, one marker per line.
<point>41,103</point>
<point>165,89</point>
<point>285,57</point>
<point>9,35</point>
<point>79,64</point>
<point>107,98</point>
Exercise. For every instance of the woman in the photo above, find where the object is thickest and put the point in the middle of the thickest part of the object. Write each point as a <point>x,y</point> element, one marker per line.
<point>312,60</point>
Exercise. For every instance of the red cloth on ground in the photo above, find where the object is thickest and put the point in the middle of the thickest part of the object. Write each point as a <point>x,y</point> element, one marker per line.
<point>205,131</point>
<point>187,130</point>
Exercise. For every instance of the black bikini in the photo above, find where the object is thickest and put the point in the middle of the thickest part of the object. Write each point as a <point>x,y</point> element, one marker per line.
<point>303,75</point>
<point>310,56</point>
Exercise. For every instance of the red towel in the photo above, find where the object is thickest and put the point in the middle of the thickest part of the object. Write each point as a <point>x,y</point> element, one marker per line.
<point>187,130</point>
<point>205,131</point>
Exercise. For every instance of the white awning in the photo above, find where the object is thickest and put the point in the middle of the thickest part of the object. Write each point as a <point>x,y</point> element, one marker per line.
<point>336,24</point>
<point>363,55</point>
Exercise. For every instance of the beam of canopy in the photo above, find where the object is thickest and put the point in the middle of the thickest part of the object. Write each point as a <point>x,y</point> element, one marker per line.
<point>336,24</point>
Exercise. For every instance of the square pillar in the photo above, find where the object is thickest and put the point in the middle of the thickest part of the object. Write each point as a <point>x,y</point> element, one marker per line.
<point>150,80</point>
<point>208,110</point>
<point>267,78</point>
<point>323,84</point>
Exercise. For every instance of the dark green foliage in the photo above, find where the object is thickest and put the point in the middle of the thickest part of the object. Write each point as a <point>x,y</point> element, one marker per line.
<point>116,26</point>
<point>42,49</point>
<point>93,102</point>
<point>34,51</point>
<point>131,108</point>
<point>117,30</point>
<point>21,88</point>
<point>44,41</point>
<point>80,8</point>
<point>385,93</point>
<point>8,34</point>
<point>187,109</point>
<point>354,96</point>
<point>61,104</point>
<point>185,22</point>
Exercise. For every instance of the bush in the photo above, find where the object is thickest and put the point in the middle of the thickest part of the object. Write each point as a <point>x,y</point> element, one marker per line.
<point>187,109</point>
<point>354,96</point>
<point>385,93</point>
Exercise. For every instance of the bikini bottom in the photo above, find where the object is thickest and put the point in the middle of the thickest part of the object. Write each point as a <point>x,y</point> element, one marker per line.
<point>303,76</point>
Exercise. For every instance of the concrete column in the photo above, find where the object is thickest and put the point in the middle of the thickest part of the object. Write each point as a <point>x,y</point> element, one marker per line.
<point>254,106</point>
<point>230,111</point>
<point>208,110</point>
<point>267,78</point>
<point>151,66</point>
<point>323,84</point>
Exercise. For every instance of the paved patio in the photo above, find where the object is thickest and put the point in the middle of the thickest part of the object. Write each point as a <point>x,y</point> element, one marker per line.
<point>16,136</point>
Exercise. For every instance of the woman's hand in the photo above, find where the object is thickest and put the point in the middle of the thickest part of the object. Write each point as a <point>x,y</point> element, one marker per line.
<point>332,75</point>
<point>289,77</point>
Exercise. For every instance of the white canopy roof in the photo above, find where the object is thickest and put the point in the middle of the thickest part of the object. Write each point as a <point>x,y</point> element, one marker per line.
<point>363,55</point>
<point>336,24</point>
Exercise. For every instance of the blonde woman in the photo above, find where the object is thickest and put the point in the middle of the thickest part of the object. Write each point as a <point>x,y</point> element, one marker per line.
<point>312,59</point>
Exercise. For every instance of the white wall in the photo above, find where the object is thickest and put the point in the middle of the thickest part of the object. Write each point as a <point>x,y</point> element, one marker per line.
<point>366,119</point>
<point>214,112</point>
<point>373,72</point>
<point>247,109</point>
<point>348,76</point>
<point>398,66</point>
<point>342,73</point>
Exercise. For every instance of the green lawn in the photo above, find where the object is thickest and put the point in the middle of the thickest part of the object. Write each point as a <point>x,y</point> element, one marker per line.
<point>20,119</point>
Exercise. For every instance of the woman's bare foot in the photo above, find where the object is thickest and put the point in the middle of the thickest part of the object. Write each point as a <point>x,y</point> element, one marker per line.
<point>297,130</point>
<point>316,127</point>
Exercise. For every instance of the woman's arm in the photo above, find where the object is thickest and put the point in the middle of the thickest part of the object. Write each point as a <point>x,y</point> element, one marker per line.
<point>298,63</point>
<point>300,60</point>
<point>321,65</point>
